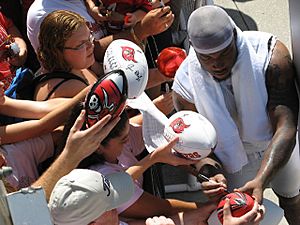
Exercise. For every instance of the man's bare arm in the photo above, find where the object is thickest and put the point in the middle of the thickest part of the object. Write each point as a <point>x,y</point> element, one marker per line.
<point>182,104</point>
<point>283,110</point>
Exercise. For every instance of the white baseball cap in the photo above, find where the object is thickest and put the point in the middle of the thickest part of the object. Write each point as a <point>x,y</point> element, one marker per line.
<point>210,29</point>
<point>83,195</point>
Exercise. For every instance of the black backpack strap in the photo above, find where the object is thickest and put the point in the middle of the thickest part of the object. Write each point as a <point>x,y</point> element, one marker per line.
<point>63,75</point>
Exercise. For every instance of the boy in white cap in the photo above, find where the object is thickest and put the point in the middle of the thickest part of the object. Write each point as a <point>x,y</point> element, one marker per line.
<point>244,83</point>
<point>84,196</point>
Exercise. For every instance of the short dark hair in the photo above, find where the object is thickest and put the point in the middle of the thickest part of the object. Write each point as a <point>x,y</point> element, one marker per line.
<point>117,130</point>
<point>95,157</point>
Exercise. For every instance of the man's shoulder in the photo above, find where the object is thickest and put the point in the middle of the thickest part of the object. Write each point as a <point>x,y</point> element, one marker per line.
<point>260,41</point>
<point>255,36</point>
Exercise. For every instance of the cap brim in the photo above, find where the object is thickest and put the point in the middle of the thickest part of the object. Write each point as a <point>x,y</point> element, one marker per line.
<point>122,188</point>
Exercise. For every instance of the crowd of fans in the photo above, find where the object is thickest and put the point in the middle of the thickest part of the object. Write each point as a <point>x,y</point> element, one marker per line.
<point>94,175</point>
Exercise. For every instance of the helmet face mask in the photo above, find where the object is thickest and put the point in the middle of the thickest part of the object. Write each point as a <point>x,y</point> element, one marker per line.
<point>107,96</point>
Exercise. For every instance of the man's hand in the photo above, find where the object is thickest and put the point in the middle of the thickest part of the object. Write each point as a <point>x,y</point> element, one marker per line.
<point>253,217</point>
<point>216,188</point>
<point>254,188</point>
<point>156,78</point>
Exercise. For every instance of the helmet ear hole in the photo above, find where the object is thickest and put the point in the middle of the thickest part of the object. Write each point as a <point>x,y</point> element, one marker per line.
<point>107,96</point>
<point>129,57</point>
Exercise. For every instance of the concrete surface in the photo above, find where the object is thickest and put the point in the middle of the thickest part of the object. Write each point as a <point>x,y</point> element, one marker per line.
<point>269,16</point>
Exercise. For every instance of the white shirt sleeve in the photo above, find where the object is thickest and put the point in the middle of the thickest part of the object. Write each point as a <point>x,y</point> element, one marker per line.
<point>181,84</point>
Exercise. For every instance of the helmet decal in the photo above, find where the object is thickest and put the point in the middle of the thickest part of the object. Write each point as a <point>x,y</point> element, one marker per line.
<point>107,96</point>
<point>128,53</point>
<point>178,125</point>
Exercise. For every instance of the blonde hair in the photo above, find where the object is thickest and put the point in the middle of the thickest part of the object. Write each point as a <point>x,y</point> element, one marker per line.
<point>55,30</point>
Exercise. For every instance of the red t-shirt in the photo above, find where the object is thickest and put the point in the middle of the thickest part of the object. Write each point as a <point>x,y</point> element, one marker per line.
<point>128,6</point>
<point>6,72</point>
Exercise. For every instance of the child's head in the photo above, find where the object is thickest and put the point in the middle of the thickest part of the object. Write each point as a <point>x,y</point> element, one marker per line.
<point>119,130</point>
<point>112,146</point>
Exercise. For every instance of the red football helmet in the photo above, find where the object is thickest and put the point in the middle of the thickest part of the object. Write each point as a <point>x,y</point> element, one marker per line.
<point>240,203</point>
<point>107,96</point>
